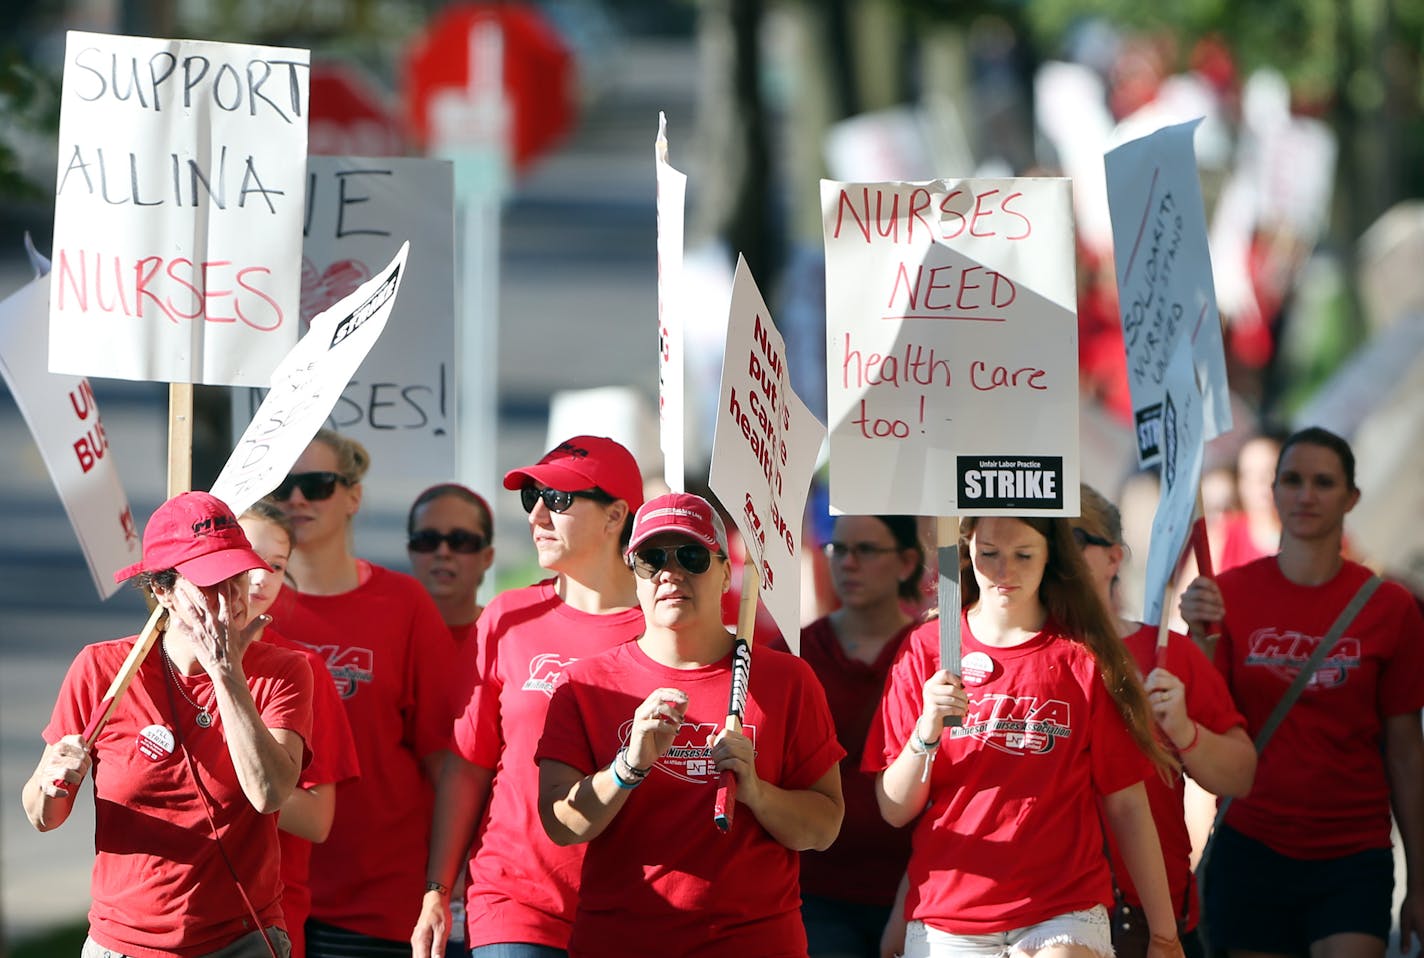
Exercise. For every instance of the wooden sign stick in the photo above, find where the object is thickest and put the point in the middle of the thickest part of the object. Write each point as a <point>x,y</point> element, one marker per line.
<point>726,801</point>
<point>950,599</point>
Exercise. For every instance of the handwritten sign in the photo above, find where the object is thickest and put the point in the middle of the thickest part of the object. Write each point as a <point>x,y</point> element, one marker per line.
<point>1165,290</point>
<point>672,192</point>
<point>952,347</point>
<point>178,209</point>
<point>764,451</point>
<point>306,386</point>
<point>402,402</point>
<point>64,419</point>
<point>1182,450</point>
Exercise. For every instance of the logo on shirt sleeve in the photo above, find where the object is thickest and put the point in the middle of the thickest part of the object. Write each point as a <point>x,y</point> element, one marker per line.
<point>1016,724</point>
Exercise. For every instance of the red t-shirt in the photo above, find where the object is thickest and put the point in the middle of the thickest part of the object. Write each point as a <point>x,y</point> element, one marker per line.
<point>1208,703</point>
<point>1320,788</point>
<point>1011,835</point>
<point>390,656</point>
<point>1237,546</point>
<point>333,760</point>
<point>868,858</point>
<point>159,887</point>
<point>521,887</point>
<point>661,867</point>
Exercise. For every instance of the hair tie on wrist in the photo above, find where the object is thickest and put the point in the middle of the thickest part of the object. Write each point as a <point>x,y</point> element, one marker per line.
<point>1196,738</point>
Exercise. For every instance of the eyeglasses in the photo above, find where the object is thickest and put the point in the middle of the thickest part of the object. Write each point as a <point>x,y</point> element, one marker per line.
<point>1084,538</point>
<point>315,486</point>
<point>861,550</point>
<point>459,540</point>
<point>556,500</point>
<point>693,558</point>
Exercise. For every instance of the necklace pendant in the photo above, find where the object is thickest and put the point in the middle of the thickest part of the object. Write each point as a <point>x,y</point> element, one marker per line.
<point>204,719</point>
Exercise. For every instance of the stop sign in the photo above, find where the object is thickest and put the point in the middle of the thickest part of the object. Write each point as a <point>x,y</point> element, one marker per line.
<point>538,72</point>
<point>349,114</point>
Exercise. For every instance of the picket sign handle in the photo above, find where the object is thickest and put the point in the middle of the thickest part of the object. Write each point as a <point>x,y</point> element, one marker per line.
<point>950,600</point>
<point>726,801</point>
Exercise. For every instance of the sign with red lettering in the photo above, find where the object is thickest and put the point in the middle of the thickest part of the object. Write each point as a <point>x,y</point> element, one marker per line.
<point>306,386</point>
<point>764,452</point>
<point>178,209</point>
<point>1164,282</point>
<point>64,419</point>
<point>401,404</point>
<point>952,347</point>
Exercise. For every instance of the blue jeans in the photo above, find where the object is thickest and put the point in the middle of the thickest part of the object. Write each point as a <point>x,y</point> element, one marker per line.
<point>841,928</point>
<point>515,949</point>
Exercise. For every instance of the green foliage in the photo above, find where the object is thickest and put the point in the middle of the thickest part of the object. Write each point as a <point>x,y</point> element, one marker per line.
<point>29,110</point>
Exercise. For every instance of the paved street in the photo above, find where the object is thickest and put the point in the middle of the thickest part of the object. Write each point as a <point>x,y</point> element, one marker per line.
<point>578,309</point>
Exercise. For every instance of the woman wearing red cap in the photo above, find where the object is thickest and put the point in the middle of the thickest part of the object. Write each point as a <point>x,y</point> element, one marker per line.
<point>521,888</point>
<point>631,756</point>
<point>205,746</point>
<point>391,656</point>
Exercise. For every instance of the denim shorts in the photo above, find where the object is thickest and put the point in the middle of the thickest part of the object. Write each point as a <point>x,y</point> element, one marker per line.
<point>249,945</point>
<point>1087,928</point>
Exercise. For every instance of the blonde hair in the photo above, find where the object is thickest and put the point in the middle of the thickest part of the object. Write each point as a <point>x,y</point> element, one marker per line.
<point>1099,516</point>
<point>352,459</point>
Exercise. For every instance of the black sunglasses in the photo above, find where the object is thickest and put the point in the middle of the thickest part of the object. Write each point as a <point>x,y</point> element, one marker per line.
<point>315,486</point>
<point>459,540</point>
<point>693,558</point>
<point>556,500</point>
<point>1084,538</point>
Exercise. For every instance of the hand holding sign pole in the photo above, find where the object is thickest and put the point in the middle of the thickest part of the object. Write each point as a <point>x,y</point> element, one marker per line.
<point>726,800</point>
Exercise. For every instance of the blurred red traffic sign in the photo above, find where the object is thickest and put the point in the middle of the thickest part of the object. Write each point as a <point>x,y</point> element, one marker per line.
<point>350,115</point>
<point>537,68</point>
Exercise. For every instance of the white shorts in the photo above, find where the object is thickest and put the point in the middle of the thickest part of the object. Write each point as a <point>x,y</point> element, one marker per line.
<point>1087,928</point>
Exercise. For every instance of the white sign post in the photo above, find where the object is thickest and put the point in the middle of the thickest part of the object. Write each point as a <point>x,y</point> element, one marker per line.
<point>1165,290</point>
<point>402,403</point>
<point>764,452</point>
<point>672,192</point>
<point>178,209</point>
<point>306,386</point>
<point>64,419</point>
<point>952,347</point>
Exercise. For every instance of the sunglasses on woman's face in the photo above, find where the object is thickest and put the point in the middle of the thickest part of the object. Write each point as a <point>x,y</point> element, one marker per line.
<point>314,486</point>
<point>1085,538</point>
<point>459,540</point>
<point>555,500</point>
<point>694,560</point>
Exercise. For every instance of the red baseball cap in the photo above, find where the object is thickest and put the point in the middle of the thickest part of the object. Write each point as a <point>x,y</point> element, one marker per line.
<point>683,513</point>
<point>196,534</point>
<point>584,462</point>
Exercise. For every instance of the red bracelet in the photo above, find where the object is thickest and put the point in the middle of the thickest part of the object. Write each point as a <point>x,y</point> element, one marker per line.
<point>1196,738</point>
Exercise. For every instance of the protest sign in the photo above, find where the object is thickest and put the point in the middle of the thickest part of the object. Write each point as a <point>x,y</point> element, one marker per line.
<point>402,403</point>
<point>64,419</point>
<point>672,192</point>
<point>1182,448</point>
<point>1164,281</point>
<point>305,387</point>
<point>178,209</point>
<point>952,347</point>
<point>764,452</point>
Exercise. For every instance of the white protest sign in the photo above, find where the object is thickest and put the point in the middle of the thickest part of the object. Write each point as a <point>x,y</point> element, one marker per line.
<point>402,403</point>
<point>1164,282</point>
<point>306,386</point>
<point>64,419</point>
<point>178,209</point>
<point>952,347</point>
<point>672,192</point>
<point>764,452</point>
<point>1183,447</point>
